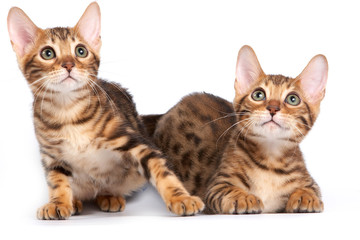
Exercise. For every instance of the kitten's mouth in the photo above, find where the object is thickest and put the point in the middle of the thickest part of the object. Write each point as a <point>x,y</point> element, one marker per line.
<point>272,123</point>
<point>68,79</point>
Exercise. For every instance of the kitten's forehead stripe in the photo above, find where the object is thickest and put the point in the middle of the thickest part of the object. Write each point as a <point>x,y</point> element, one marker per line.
<point>277,79</point>
<point>61,33</point>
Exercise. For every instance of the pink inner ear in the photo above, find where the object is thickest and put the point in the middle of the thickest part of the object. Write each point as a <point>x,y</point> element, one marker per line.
<point>24,39</point>
<point>248,70</point>
<point>22,31</point>
<point>89,25</point>
<point>314,77</point>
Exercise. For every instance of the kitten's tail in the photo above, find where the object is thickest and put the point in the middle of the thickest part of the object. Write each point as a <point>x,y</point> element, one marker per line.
<point>150,122</point>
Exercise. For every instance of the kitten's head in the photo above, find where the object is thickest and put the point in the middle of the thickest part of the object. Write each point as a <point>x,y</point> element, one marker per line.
<point>57,59</point>
<point>274,107</point>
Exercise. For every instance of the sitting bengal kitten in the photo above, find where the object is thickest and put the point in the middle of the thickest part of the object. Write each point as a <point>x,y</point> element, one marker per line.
<point>245,157</point>
<point>92,141</point>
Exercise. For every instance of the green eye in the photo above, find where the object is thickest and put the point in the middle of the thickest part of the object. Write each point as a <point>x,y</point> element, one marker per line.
<point>81,51</point>
<point>258,95</point>
<point>48,53</point>
<point>293,99</point>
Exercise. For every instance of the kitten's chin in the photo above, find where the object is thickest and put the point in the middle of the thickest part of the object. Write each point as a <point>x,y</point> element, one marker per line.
<point>271,129</point>
<point>271,125</point>
<point>65,85</point>
<point>69,82</point>
<point>64,82</point>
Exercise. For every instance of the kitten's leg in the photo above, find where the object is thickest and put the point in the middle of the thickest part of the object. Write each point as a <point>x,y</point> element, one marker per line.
<point>111,203</point>
<point>304,200</point>
<point>61,204</point>
<point>78,206</point>
<point>153,166</point>
<point>176,197</point>
<point>226,197</point>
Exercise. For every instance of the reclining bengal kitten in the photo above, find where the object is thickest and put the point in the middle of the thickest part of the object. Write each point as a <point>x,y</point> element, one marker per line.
<point>245,157</point>
<point>92,141</point>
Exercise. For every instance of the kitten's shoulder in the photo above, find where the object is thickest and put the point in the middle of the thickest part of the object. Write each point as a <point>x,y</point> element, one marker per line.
<point>119,95</point>
<point>114,88</point>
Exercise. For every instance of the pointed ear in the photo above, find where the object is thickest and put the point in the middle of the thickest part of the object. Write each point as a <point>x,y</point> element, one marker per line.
<point>313,79</point>
<point>22,31</point>
<point>89,26</point>
<point>248,70</point>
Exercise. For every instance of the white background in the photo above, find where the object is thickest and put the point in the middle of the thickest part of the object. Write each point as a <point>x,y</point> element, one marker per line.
<point>163,50</point>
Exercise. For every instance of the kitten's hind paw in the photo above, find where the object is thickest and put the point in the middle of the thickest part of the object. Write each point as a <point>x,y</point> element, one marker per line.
<point>304,201</point>
<point>185,205</point>
<point>111,203</point>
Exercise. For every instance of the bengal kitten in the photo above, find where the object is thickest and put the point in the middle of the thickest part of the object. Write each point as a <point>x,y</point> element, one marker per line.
<point>245,157</point>
<point>93,143</point>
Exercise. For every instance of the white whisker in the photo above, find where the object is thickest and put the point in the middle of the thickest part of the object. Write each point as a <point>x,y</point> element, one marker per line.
<point>301,123</point>
<point>40,90</point>
<point>42,100</point>
<point>36,81</point>
<point>297,129</point>
<point>229,115</point>
<point>247,126</point>
<point>112,104</point>
<point>116,86</point>
<point>95,91</point>
<point>241,130</point>
<point>228,129</point>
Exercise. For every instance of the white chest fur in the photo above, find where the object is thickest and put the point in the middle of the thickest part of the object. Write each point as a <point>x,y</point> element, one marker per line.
<point>269,187</point>
<point>95,169</point>
<point>90,159</point>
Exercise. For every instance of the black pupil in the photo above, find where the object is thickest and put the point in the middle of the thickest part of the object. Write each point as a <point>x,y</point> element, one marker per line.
<point>48,53</point>
<point>293,98</point>
<point>81,51</point>
<point>259,95</point>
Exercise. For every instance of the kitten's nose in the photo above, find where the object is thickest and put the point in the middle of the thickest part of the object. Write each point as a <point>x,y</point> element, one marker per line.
<point>68,66</point>
<point>273,107</point>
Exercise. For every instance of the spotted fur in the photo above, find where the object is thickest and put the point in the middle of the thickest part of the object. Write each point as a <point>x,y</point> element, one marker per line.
<point>245,157</point>
<point>93,143</point>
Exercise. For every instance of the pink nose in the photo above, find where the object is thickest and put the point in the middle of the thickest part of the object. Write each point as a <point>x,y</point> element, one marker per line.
<point>68,66</point>
<point>273,107</point>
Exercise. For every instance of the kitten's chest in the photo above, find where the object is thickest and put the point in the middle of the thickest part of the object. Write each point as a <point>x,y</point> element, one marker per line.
<point>88,155</point>
<point>270,188</point>
<point>89,158</point>
<point>77,138</point>
<point>96,168</point>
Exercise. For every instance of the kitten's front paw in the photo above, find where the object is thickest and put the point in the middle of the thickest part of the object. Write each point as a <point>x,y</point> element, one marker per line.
<point>303,201</point>
<point>241,203</point>
<point>111,203</point>
<point>54,211</point>
<point>185,205</point>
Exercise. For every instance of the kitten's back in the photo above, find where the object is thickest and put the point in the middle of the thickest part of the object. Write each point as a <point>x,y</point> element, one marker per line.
<point>193,135</point>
